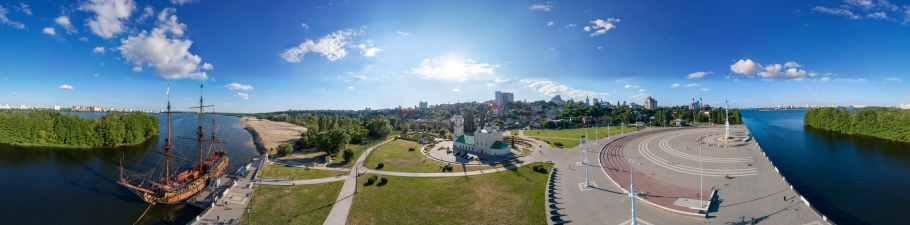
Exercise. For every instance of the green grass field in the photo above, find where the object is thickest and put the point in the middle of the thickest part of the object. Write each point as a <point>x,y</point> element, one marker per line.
<point>396,157</point>
<point>338,160</point>
<point>571,137</point>
<point>301,204</point>
<point>274,171</point>
<point>508,197</point>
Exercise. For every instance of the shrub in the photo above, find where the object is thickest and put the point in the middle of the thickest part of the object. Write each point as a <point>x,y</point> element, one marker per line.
<point>380,166</point>
<point>348,155</point>
<point>541,169</point>
<point>285,149</point>
<point>410,149</point>
<point>535,167</point>
<point>383,180</point>
<point>372,179</point>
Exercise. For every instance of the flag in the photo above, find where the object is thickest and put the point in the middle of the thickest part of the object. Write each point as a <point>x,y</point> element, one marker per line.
<point>168,89</point>
<point>200,85</point>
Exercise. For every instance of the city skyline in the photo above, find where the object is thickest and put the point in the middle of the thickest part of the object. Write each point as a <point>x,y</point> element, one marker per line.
<point>356,55</point>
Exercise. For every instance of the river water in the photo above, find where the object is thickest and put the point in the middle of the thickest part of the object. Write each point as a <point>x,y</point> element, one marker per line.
<point>78,186</point>
<point>851,179</point>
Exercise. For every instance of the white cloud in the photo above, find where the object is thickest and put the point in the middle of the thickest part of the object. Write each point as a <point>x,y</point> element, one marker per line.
<point>64,21</point>
<point>109,16</point>
<point>305,27</point>
<point>641,91</point>
<point>96,75</point>
<point>490,84</point>
<point>587,29</point>
<point>403,33</point>
<point>602,26</point>
<point>835,11</point>
<point>894,79</point>
<point>674,85</point>
<point>169,56</point>
<point>456,90</point>
<point>624,79</point>
<point>236,86</point>
<point>815,94</point>
<point>66,87</point>
<point>242,95</point>
<point>705,89</point>
<point>550,23</point>
<point>25,8</point>
<point>83,39</point>
<point>451,68</point>
<point>545,8</point>
<point>905,22</point>
<point>98,49</point>
<point>49,31</point>
<point>182,2</point>
<point>350,88</point>
<point>749,68</point>
<point>367,49</point>
<point>850,80</point>
<point>792,64</point>
<point>571,25</point>
<point>331,46</point>
<point>825,79</point>
<point>547,87</point>
<point>878,15</point>
<point>692,85</point>
<point>630,86</point>
<point>360,77</point>
<point>500,80</point>
<point>599,47</point>
<point>697,75</point>
<point>147,12</point>
<point>137,69</point>
<point>5,20</point>
<point>207,66</point>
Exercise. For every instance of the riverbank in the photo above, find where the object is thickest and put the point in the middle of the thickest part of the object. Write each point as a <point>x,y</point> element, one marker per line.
<point>267,135</point>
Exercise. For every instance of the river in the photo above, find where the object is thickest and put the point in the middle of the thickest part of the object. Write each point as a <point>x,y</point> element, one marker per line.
<point>78,186</point>
<point>851,179</point>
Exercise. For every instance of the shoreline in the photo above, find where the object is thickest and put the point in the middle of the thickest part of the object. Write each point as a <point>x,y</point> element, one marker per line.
<point>80,147</point>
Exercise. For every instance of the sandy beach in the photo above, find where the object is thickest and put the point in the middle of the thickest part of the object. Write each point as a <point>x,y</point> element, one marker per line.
<point>267,135</point>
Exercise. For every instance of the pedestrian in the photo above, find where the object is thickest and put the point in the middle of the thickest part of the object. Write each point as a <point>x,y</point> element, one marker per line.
<point>753,220</point>
<point>785,198</point>
<point>218,218</point>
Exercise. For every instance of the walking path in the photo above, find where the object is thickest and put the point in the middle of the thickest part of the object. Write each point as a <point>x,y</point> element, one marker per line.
<point>342,206</point>
<point>301,165</point>
<point>229,205</point>
<point>300,182</point>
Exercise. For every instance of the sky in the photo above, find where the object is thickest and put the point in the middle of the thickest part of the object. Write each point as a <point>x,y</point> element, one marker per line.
<point>277,55</point>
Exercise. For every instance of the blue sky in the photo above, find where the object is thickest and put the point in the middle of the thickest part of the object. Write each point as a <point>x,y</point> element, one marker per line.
<point>279,55</point>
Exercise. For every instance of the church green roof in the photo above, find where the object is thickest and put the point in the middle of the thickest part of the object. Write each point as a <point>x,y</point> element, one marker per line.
<point>499,145</point>
<point>465,139</point>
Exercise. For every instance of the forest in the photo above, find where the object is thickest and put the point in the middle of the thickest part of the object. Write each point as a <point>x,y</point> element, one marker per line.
<point>52,129</point>
<point>884,123</point>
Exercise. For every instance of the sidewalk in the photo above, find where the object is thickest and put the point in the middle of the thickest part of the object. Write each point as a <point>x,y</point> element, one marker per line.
<point>236,196</point>
<point>341,208</point>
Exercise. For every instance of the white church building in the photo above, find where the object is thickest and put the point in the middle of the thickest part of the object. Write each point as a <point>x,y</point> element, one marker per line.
<point>486,140</point>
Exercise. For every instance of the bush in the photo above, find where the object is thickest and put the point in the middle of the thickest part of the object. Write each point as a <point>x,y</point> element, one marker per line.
<point>348,155</point>
<point>372,179</point>
<point>380,166</point>
<point>447,168</point>
<point>285,149</point>
<point>535,167</point>
<point>383,180</point>
<point>558,144</point>
<point>410,149</point>
<point>541,169</point>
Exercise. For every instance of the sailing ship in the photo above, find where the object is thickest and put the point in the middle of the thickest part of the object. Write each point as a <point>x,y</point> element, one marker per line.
<point>161,185</point>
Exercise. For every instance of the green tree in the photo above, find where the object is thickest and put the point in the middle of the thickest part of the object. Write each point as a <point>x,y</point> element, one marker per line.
<point>348,155</point>
<point>285,149</point>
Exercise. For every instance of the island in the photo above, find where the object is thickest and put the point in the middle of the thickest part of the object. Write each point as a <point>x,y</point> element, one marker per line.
<point>49,128</point>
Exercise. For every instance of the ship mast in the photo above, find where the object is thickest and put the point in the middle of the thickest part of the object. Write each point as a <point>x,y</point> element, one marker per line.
<point>167,141</point>
<point>201,133</point>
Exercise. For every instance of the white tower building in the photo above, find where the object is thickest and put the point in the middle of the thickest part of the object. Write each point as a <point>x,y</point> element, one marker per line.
<point>458,120</point>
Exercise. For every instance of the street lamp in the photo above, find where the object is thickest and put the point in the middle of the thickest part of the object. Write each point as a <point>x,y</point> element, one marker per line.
<point>587,181</point>
<point>632,190</point>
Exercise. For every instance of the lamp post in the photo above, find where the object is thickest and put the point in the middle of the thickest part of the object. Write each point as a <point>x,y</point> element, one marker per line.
<point>587,182</point>
<point>700,179</point>
<point>632,190</point>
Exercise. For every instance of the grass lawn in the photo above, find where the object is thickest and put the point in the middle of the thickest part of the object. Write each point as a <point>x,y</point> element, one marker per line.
<point>338,160</point>
<point>570,137</point>
<point>396,157</point>
<point>513,132</point>
<point>508,197</point>
<point>274,171</point>
<point>301,204</point>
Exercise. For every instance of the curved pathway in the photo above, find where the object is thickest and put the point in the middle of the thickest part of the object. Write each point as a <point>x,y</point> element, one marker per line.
<point>657,160</point>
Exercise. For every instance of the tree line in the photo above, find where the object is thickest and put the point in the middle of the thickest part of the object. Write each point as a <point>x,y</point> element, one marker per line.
<point>884,123</point>
<point>51,128</point>
<point>331,134</point>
